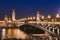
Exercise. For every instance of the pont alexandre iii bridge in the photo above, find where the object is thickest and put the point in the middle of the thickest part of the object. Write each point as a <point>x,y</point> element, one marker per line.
<point>51,26</point>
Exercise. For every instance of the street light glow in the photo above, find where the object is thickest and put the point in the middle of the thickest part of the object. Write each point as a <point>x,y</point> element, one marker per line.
<point>42,17</point>
<point>49,16</point>
<point>57,15</point>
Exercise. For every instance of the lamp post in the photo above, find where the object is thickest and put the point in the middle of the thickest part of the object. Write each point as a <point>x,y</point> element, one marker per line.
<point>57,16</point>
<point>49,16</point>
<point>42,17</point>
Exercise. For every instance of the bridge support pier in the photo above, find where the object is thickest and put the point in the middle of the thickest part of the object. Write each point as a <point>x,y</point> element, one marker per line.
<point>58,31</point>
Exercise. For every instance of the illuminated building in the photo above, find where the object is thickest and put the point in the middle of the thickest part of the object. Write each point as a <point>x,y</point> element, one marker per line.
<point>13,15</point>
<point>2,23</point>
<point>6,18</point>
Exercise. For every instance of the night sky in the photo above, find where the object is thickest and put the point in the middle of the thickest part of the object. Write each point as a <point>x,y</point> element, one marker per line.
<point>24,8</point>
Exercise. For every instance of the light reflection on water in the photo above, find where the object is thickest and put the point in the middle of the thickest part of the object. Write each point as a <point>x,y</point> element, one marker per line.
<point>17,34</point>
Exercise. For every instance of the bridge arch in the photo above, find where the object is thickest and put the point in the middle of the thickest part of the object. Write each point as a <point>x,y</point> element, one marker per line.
<point>31,29</point>
<point>40,27</point>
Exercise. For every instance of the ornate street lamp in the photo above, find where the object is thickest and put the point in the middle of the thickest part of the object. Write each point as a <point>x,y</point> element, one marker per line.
<point>57,16</point>
<point>42,17</point>
<point>49,16</point>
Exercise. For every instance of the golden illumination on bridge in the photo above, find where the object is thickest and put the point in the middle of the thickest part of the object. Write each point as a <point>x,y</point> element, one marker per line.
<point>38,17</point>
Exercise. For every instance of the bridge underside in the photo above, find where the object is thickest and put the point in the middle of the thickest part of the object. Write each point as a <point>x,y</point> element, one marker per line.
<point>37,29</point>
<point>31,29</point>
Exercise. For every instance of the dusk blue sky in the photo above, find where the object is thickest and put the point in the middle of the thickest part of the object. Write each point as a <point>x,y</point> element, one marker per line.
<point>24,8</point>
